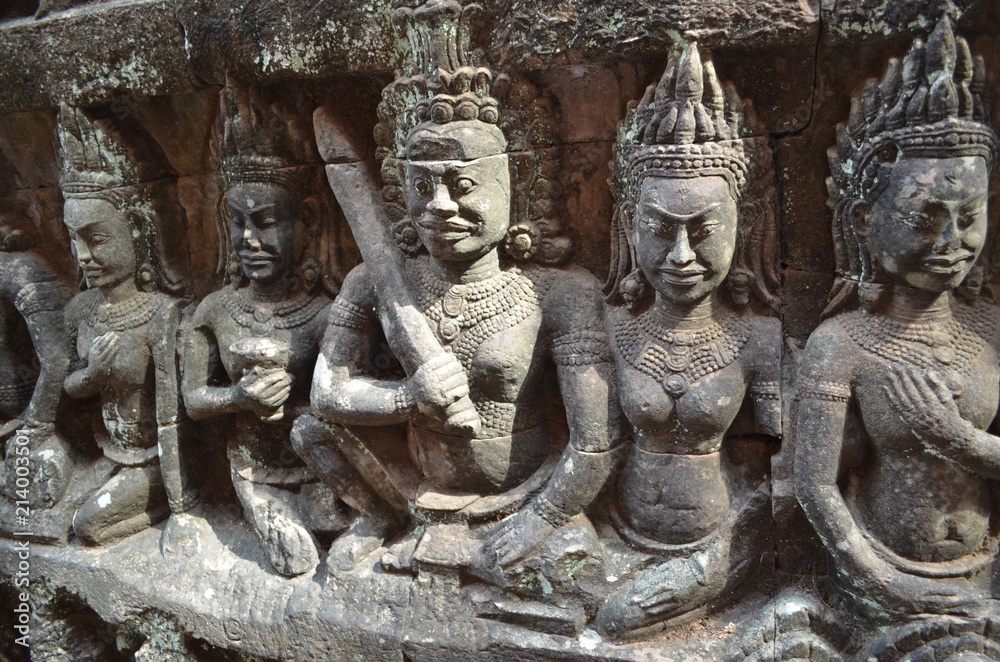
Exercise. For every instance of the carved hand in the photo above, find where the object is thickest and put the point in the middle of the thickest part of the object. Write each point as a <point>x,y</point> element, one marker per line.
<point>927,405</point>
<point>438,384</point>
<point>516,536</point>
<point>102,355</point>
<point>264,390</point>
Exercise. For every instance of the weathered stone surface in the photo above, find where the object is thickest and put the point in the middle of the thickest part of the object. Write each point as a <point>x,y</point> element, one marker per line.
<point>447,476</point>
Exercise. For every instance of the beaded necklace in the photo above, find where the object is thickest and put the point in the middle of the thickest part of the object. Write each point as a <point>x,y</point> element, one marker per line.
<point>262,317</point>
<point>465,315</point>
<point>676,358</point>
<point>951,344</point>
<point>131,313</point>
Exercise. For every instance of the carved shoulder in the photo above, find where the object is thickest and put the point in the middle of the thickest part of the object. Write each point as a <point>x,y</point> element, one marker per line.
<point>830,354</point>
<point>357,288</point>
<point>79,307</point>
<point>572,301</point>
<point>204,314</point>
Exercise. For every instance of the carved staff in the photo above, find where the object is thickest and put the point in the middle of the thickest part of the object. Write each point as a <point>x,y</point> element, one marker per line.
<point>406,328</point>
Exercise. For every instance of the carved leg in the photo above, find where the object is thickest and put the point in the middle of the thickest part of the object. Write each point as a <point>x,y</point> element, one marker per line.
<point>133,500</point>
<point>375,519</point>
<point>692,576</point>
<point>290,548</point>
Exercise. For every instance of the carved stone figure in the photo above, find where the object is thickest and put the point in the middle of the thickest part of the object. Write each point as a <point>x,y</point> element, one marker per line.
<point>32,299</point>
<point>254,343</point>
<point>894,466</point>
<point>478,314</point>
<point>691,248</point>
<point>124,327</point>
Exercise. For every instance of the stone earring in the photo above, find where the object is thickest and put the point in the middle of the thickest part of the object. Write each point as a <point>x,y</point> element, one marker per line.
<point>406,236</point>
<point>146,277</point>
<point>634,288</point>
<point>739,281</point>
<point>522,241</point>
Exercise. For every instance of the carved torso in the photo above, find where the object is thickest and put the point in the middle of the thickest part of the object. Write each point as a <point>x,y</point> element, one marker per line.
<point>231,315</point>
<point>501,330</point>
<point>681,391</point>
<point>128,396</point>
<point>918,504</point>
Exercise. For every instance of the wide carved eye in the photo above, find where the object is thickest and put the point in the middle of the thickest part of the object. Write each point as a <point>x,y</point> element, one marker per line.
<point>465,185</point>
<point>237,221</point>
<point>422,186</point>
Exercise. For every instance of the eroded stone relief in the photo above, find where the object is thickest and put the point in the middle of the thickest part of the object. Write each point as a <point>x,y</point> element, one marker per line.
<point>436,436</point>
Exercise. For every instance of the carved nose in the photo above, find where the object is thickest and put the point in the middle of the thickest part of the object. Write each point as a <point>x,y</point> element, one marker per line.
<point>250,238</point>
<point>951,235</point>
<point>441,203</point>
<point>681,252</point>
<point>82,252</point>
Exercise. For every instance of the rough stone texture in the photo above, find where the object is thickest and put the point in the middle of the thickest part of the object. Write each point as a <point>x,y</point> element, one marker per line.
<point>201,586</point>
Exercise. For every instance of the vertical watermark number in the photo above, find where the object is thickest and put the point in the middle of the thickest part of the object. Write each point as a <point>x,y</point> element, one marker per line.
<point>22,533</point>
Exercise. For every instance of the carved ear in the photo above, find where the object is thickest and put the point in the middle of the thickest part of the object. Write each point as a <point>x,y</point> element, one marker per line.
<point>858,213</point>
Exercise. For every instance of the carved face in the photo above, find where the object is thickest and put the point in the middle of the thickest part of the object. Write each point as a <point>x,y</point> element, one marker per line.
<point>262,229</point>
<point>101,241</point>
<point>461,209</point>
<point>928,226</point>
<point>684,233</point>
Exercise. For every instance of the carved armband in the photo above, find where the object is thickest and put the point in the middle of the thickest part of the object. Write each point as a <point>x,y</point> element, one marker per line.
<point>345,314</point>
<point>38,297</point>
<point>765,390</point>
<point>828,391</point>
<point>585,347</point>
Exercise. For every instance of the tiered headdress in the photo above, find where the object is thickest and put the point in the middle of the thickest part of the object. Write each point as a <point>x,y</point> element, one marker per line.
<point>264,140</point>
<point>101,159</point>
<point>690,125</point>
<point>444,83</point>
<point>935,103</point>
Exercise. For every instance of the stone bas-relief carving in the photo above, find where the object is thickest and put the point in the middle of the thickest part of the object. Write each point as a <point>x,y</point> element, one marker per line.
<point>29,397</point>
<point>687,353</point>
<point>903,502</point>
<point>464,449</point>
<point>491,477</point>
<point>124,328</point>
<point>253,344</point>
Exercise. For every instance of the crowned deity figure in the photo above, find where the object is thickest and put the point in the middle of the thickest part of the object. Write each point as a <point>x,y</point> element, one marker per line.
<point>124,325</point>
<point>477,308</point>
<point>693,335</point>
<point>253,344</point>
<point>897,387</point>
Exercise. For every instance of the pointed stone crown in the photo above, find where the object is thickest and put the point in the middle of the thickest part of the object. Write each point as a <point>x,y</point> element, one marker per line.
<point>97,156</point>
<point>933,103</point>
<point>686,125</point>
<point>264,140</point>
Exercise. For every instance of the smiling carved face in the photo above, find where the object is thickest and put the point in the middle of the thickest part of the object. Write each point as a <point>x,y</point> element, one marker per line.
<point>458,189</point>
<point>928,227</point>
<point>262,229</point>
<point>684,235</point>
